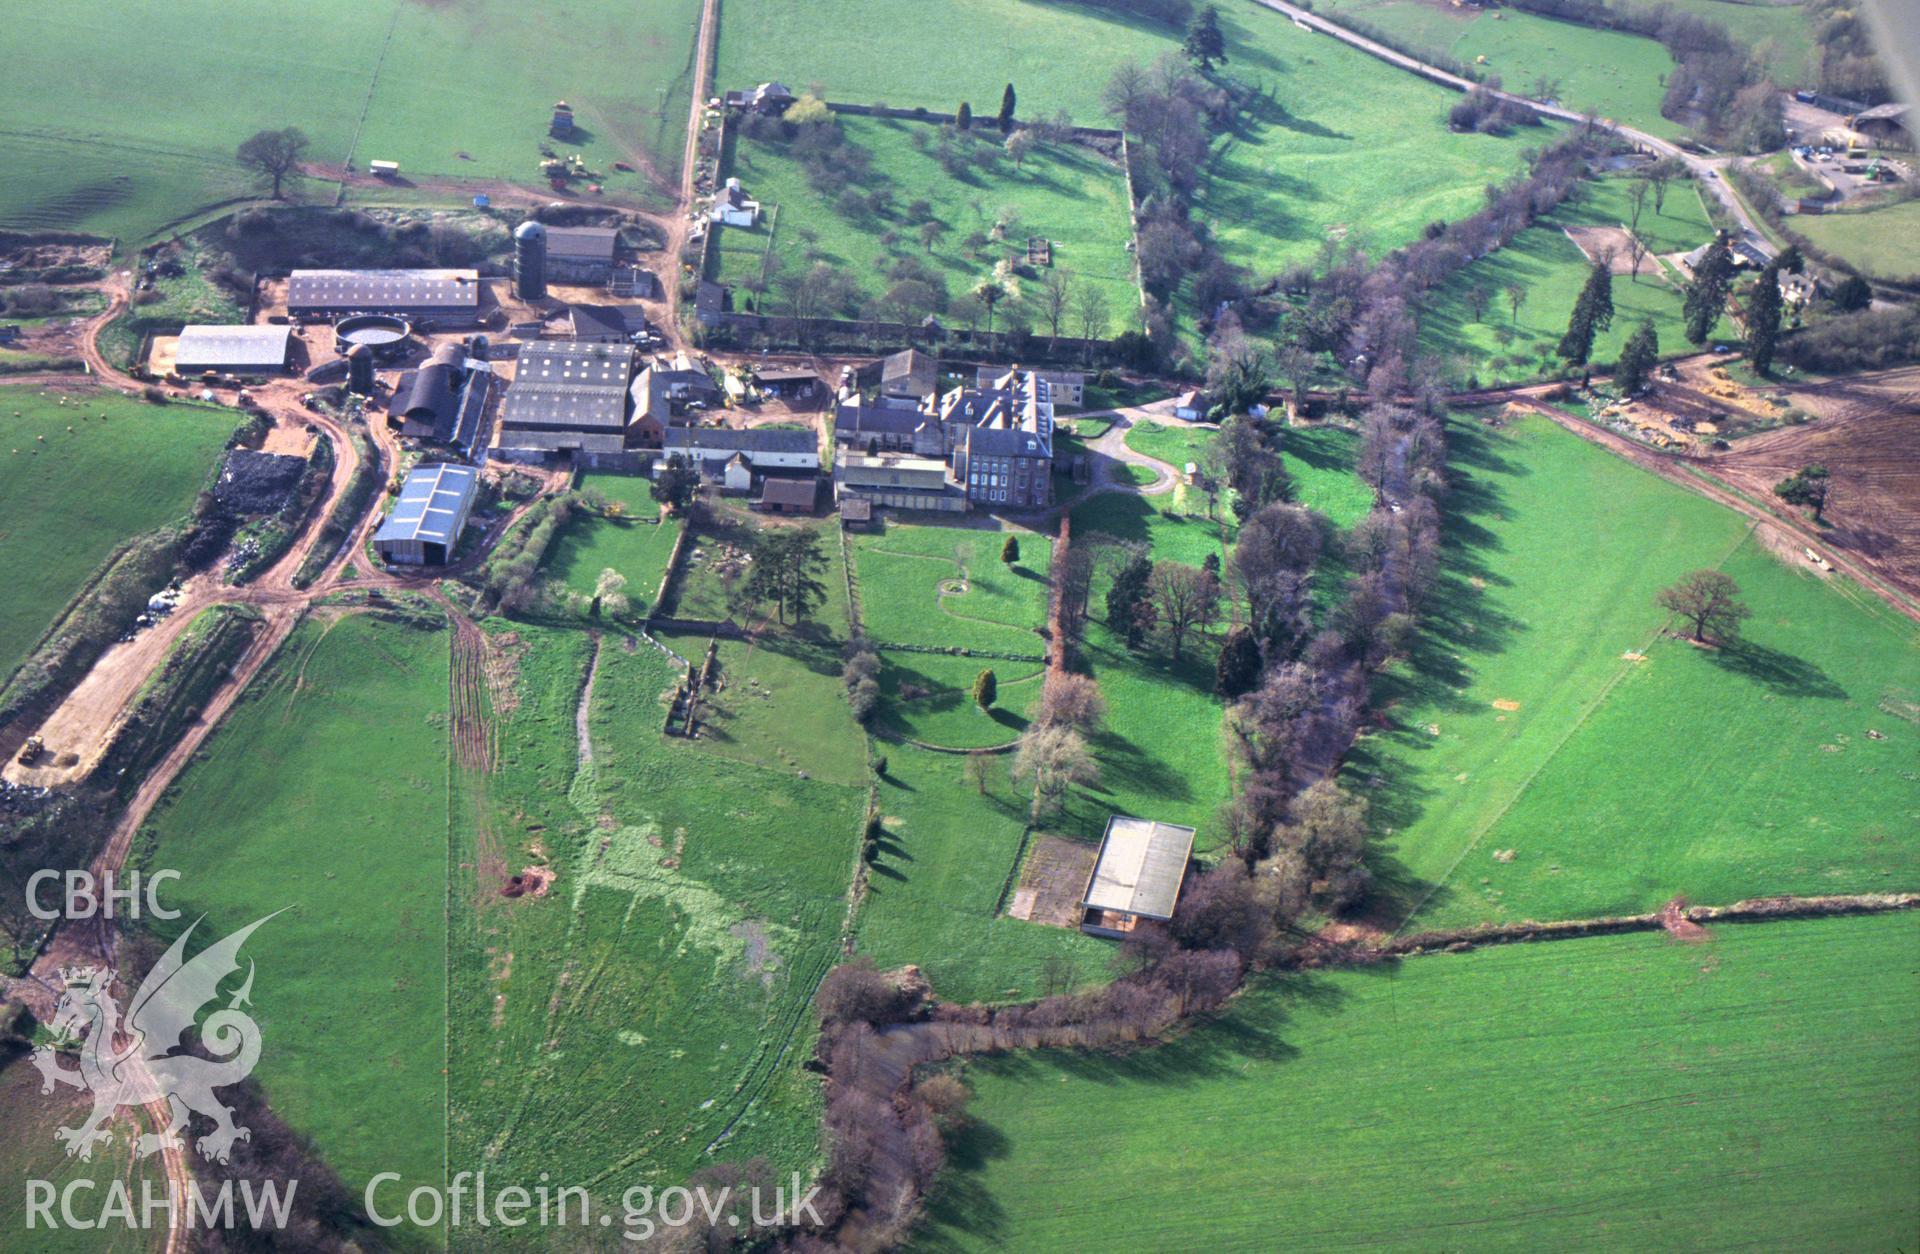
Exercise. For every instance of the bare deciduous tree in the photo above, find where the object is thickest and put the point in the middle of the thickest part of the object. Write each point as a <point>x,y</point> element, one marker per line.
<point>1053,760</point>
<point>1186,598</point>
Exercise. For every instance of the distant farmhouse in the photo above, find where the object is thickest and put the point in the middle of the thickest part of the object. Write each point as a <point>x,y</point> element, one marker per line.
<point>768,98</point>
<point>424,527</point>
<point>733,207</point>
<point>979,447</point>
<point>1067,389</point>
<point>233,349</point>
<point>439,297</point>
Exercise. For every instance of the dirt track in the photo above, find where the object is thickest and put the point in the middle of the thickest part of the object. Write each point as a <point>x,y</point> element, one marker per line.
<point>1867,434</point>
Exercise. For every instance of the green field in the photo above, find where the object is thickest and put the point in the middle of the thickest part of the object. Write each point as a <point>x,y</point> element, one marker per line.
<point>1545,262</point>
<point>635,542</point>
<point>324,793</point>
<point>1609,784</point>
<point>1070,194</point>
<point>656,998</point>
<point>56,524</point>
<point>1879,241</point>
<point>442,89</point>
<point>1750,1091</point>
<point>1345,147</point>
<point>1612,73</point>
<point>934,893</point>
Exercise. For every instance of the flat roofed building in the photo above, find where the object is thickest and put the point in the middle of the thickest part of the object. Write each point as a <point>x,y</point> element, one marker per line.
<point>918,483</point>
<point>449,295</point>
<point>567,395</point>
<point>232,349</point>
<point>1141,867</point>
<point>424,527</point>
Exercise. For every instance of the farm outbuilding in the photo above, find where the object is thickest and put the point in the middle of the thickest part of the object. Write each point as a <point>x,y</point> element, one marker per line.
<point>568,396</point>
<point>581,254</point>
<point>1137,878</point>
<point>424,527</point>
<point>232,349</point>
<point>788,496</point>
<point>447,297</point>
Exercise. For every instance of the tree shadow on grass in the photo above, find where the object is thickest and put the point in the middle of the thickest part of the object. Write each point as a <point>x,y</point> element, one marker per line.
<point>1780,673</point>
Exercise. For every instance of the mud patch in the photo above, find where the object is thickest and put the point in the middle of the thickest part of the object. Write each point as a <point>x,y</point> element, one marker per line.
<point>535,881</point>
<point>1504,704</point>
<point>1673,917</point>
<point>759,957</point>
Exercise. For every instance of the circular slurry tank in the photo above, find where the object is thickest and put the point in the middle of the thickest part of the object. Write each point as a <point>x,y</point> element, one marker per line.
<point>385,334</point>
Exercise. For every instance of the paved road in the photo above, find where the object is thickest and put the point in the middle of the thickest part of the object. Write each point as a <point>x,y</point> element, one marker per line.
<point>1705,170</point>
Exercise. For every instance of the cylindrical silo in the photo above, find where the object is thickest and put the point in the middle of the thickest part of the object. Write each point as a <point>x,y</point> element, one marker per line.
<point>530,261</point>
<point>360,370</point>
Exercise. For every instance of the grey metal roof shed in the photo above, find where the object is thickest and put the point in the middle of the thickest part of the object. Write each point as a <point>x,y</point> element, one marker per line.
<point>426,521</point>
<point>238,347</point>
<point>1138,875</point>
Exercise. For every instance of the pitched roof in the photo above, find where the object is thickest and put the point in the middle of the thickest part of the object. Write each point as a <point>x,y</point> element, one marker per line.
<point>431,502</point>
<point>384,289</point>
<point>1141,866</point>
<point>741,439</point>
<point>234,345</point>
<point>913,367</point>
<point>850,422</point>
<point>583,243</point>
<point>606,322</point>
<point>778,490</point>
<point>1892,111</point>
<point>579,384</point>
<point>1000,442</point>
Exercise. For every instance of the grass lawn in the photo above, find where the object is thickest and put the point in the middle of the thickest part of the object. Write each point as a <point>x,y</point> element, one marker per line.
<point>934,892</point>
<point>909,580</point>
<point>325,792</point>
<point>56,524</point>
<point>1879,241</point>
<point>1523,726</point>
<point>655,999</point>
<point>637,544</point>
<point>1754,1090</point>
<point>437,88</point>
<point>1783,172</point>
<point>929,698</point>
<point>1070,194</point>
<point>1618,75</point>
<point>1551,269</point>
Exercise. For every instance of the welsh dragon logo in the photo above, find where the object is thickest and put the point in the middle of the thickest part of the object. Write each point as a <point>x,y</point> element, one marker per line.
<point>135,1063</point>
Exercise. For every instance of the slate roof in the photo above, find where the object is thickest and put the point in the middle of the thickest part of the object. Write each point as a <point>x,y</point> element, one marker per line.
<point>738,439</point>
<point>431,500</point>
<point>777,490</point>
<point>850,422</point>
<point>374,290</point>
<point>1141,866</point>
<point>1000,442</point>
<point>606,322</point>
<point>263,346</point>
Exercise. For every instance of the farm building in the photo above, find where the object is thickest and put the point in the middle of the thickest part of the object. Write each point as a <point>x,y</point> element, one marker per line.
<point>898,482</point>
<point>1137,876</point>
<point>568,396</point>
<point>733,207</point>
<point>424,527</point>
<point>793,384</point>
<point>788,496</point>
<point>445,297</point>
<point>910,373</point>
<point>1886,125</point>
<point>581,254</point>
<point>610,324</point>
<point>766,449</point>
<point>232,349</point>
<point>771,98</point>
<point>710,304</point>
<point>445,400</point>
<point>1190,406</point>
<point>896,427</point>
<point>652,411</point>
